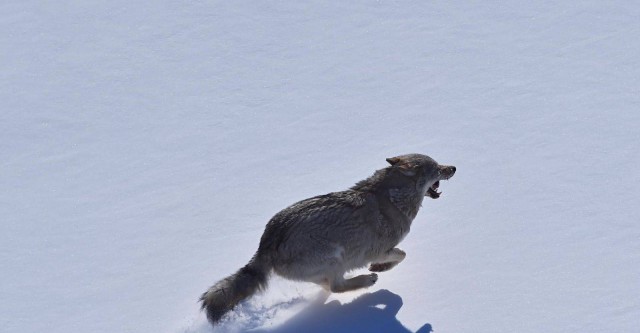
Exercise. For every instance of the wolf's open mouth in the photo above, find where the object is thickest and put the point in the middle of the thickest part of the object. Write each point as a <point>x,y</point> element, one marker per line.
<point>433,190</point>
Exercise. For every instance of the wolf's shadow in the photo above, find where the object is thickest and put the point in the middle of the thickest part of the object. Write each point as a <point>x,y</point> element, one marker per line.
<point>369,313</point>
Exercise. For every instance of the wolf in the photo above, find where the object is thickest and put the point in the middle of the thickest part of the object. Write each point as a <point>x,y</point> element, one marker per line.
<point>321,238</point>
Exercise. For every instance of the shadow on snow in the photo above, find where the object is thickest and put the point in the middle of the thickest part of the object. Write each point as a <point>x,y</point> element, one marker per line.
<point>369,313</point>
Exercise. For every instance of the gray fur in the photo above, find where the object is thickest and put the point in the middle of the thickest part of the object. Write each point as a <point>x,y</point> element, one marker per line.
<point>321,238</point>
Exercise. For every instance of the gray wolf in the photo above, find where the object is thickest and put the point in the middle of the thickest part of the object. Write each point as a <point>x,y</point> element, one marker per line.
<point>321,238</point>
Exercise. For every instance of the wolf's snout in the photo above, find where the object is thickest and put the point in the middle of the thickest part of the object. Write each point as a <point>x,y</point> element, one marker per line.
<point>448,171</point>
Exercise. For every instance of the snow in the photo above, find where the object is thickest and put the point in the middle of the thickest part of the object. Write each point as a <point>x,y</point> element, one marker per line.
<point>144,145</point>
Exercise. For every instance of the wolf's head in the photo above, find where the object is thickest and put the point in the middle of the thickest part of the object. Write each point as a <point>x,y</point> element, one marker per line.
<point>423,171</point>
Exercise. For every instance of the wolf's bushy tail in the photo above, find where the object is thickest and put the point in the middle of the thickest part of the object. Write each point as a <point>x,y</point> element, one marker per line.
<point>223,296</point>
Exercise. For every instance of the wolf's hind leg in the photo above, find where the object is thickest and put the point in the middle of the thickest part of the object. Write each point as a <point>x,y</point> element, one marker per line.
<point>340,285</point>
<point>392,258</point>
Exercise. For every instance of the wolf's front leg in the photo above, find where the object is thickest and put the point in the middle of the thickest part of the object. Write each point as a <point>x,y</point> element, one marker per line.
<point>392,258</point>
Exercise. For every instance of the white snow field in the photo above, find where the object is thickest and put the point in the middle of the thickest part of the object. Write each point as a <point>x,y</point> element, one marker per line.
<point>145,144</point>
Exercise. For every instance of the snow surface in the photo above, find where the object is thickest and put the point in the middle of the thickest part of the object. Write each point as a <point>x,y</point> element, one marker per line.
<point>145,144</point>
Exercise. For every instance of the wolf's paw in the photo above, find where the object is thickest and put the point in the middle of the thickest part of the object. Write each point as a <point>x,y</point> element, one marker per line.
<point>371,279</point>
<point>381,267</point>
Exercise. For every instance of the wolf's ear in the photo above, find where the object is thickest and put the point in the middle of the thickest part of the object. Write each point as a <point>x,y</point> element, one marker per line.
<point>393,160</point>
<point>405,167</point>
